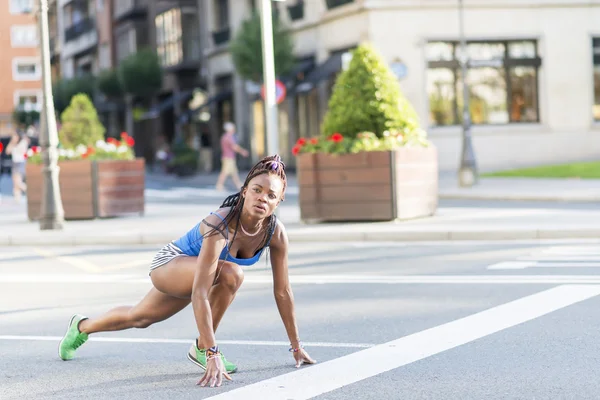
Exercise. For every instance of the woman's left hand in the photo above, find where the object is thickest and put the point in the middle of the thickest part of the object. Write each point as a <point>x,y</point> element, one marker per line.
<point>302,357</point>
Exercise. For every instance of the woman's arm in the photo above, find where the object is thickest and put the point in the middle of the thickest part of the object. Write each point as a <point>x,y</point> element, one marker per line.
<point>205,275</point>
<point>282,289</point>
<point>284,296</point>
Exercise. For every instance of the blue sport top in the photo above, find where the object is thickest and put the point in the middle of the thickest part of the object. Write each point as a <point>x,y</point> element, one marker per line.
<point>191,243</point>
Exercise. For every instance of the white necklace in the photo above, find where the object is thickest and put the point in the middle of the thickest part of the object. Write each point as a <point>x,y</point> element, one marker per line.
<point>250,234</point>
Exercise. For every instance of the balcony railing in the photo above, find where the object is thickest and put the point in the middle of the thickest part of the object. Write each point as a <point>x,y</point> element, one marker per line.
<point>80,28</point>
<point>337,3</point>
<point>221,36</point>
<point>129,8</point>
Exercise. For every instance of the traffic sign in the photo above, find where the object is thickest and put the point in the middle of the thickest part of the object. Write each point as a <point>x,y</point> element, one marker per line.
<point>280,91</point>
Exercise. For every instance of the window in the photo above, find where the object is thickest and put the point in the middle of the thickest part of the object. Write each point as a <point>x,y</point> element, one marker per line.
<point>21,6</point>
<point>177,36</point>
<point>502,79</point>
<point>28,100</point>
<point>126,44</point>
<point>23,36</point>
<point>104,61</point>
<point>168,37</point>
<point>596,53</point>
<point>26,69</point>
<point>221,14</point>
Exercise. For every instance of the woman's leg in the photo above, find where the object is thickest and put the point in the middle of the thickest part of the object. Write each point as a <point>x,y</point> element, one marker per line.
<point>171,294</point>
<point>18,185</point>
<point>154,307</point>
<point>177,279</point>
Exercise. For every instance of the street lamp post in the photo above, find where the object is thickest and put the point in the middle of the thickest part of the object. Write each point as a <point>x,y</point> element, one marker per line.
<point>266,23</point>
<point>52,212</point>
<point>467,174</point>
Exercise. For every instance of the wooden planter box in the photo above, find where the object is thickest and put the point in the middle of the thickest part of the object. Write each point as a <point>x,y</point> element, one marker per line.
<point>91,189</point>
<point>368,186</point>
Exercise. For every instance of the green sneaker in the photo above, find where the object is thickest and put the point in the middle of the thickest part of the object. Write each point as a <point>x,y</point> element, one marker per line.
<point>198,357</point>
<point>73,338</point>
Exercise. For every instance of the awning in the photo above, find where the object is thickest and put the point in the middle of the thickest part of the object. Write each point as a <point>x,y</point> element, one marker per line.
<point>167,104</point>
<point>187,115</point>
<point>321,73</point>
<point>301,67</point>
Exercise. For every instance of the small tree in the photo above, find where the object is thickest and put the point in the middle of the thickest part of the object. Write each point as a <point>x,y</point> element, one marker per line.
<point>63,90</point>
<point>109,84</point>
<point>80,124</point>
<point>246,49</point>
<point>140,74</point>
<point>367,98</point>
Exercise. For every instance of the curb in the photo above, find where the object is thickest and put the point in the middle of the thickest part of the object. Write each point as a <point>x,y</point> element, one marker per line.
<point>520,197</point>
<point>311,235</point>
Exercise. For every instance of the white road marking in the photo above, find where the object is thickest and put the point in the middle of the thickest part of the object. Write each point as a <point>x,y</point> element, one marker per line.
<point>188,341</point>
<point>534,264</point>
<point>76,262</point>
<point>559,257</point>
<point>554,257</point>
<point>323,279</point>
<point>312,381</point>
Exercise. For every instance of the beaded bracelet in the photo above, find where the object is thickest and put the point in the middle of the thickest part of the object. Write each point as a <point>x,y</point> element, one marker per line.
<point>293,350</point>
<point>212,351</point>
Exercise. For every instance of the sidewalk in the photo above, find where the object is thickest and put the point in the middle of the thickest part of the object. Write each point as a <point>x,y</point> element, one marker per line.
<point>169,220</point>
<point>542,189</point>
<point>526,189</point>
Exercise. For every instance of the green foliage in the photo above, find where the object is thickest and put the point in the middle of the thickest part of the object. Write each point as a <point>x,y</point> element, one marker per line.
<point>141,73</point>
<point>109,84</point>
<point>80,124</point>
<point>185,160</point>
<point>63,90</point>
<point>367,98</point>
<point>246,49</point>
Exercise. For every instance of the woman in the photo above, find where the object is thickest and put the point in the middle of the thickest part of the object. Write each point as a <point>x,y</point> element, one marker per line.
<point>204,267</point>
<point>17,148</point>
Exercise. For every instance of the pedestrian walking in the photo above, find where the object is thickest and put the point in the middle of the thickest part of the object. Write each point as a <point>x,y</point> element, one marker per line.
<point>229,147</point>
<point>17,149</point>
<point>205,268</point>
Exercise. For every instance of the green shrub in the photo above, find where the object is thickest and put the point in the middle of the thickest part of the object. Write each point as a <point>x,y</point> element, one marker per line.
<point>80,124</point>
<point>367,98</point>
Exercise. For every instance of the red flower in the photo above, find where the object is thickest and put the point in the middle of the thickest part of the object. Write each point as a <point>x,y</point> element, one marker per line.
<point>112,141</point>
<point>314,141</point>
<point>296,150</point>
<point>301,142</point>
<point>88,152</point>
<point>124,135</point>
<point>1,147</point>
<point>36,149</point>
<point>336,137</point>
<point>129,140</point>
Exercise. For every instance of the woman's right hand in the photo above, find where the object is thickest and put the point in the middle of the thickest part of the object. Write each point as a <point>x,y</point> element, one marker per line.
<point>215,371</point>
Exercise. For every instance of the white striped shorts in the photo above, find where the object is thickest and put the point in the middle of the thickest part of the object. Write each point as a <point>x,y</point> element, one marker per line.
<point>166,254</point>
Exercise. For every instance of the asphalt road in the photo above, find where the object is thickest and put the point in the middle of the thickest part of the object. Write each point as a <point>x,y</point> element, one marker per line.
<point>485,320</point>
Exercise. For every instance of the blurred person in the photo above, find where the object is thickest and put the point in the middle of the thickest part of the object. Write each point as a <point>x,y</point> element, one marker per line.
<point>229,147</point>
<point>17,149</point>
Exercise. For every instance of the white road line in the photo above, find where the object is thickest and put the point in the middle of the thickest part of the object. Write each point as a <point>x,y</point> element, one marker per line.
<point>545,264</point>
<point>188,341</point>
<point>312,381</point>
<point>76,262</point>
<point>511,265</point>
<point>325,279</point>
<point>560,257</point>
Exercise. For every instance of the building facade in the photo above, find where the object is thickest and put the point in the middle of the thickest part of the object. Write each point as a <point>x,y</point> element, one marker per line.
<point>20,70</point>
<point>533,72</point>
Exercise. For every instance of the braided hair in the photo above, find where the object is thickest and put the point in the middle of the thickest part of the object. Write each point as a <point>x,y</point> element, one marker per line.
<point>268,165</point>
